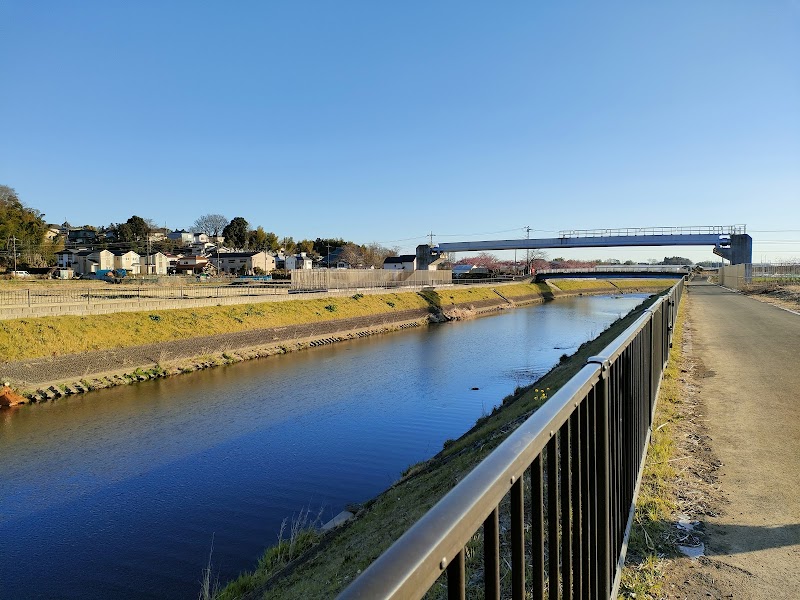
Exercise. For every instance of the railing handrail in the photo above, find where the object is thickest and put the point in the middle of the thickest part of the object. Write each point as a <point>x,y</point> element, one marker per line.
<point>435,539</point>
<point>436,542</point>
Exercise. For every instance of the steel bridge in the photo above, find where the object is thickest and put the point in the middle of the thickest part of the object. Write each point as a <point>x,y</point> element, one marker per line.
<point>731,242</point>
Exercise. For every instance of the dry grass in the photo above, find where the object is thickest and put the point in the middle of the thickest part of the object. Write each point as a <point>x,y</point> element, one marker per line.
<point>574,285</point>
<point>642,576</point>
<point>55,336</point>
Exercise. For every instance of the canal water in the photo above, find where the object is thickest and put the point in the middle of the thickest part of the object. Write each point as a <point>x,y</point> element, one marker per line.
<point>120,493</point>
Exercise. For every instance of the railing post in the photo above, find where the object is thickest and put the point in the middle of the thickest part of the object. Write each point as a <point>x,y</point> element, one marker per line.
<point>603,481</point>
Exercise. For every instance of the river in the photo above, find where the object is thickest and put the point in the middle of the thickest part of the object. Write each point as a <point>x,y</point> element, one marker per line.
<point>119,493</point>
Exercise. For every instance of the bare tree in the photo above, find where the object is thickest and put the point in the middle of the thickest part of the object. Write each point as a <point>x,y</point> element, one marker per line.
<point>352,255</point>
<point>211,225</point>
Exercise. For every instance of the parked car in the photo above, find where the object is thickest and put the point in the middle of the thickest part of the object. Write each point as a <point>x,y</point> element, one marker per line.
<point>20,274</point>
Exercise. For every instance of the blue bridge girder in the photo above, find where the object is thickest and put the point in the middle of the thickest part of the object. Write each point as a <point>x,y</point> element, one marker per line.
<point>730,242</point>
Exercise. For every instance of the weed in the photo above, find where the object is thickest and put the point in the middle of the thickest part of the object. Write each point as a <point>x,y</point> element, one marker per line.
<point>330,308</point>
<point>390,303</point>
<point>209,590</point>
<point>155,318</point>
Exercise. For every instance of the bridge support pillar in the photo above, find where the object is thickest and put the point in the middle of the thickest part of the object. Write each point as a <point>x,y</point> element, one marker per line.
<point>740,251</point>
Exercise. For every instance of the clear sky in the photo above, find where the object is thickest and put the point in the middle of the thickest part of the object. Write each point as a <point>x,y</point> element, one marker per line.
<point>384,121</point>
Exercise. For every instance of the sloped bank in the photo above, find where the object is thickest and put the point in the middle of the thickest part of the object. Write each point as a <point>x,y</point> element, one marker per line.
<point>316,564</point>
<point>69,355</point>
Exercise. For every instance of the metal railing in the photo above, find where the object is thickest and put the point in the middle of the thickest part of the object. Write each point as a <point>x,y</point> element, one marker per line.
<point>637,231</point>
<point>94,295</point>
<point>580,455</point>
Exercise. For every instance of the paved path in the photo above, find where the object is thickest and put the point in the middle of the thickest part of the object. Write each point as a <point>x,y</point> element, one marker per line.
<point>748,355</point>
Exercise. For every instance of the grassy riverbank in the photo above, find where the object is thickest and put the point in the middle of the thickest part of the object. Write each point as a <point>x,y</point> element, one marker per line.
<point>319,566</point>
<point>37,337</point>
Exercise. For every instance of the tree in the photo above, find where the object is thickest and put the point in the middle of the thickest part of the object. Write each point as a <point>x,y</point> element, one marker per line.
<point>676,260</point>
<point>306,246</point>
<point>235,233</point>
<point>257,239</point>
<point>211,225</point>
<point>288,245</point>
<point>374,254</point>
<point>272,241</point>
<point>135,229</point>
<point>22,227</point>
<point>352,255</point>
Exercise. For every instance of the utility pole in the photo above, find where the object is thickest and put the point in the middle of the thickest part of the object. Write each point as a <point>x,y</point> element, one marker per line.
<point>527,252</point>
<point>14,240</point>
<point>430,235</point>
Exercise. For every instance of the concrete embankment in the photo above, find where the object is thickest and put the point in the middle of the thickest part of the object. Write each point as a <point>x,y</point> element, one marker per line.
<point>57,364</point>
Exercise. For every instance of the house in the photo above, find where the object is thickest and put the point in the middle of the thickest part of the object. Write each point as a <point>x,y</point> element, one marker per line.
<point>156,263</point>
<point>53,231</point>
<point>202,248</point>
<point>182,236</point>
<point>469,271</point>
<point>243,262</point>
<point>66,258</point>
<point>81,236</point>
<point>126,259</point>
<point>293,262</point>
<point>200,238</point>
<point>406,262</point>
<point>157,235</point>
<point>191,264</point>
<point>91,261</point>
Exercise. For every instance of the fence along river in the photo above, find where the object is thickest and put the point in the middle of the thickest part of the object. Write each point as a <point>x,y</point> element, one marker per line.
<point>119,493</point>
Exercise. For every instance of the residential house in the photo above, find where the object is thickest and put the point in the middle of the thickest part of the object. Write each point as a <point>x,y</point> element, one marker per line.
<point>156,263</point>
<point>469,271</point>
<point>81,236</point>
<point>65,259</point>
<point>200,238</point>
<point>91,261</point>
<point>53,231</point>
<point>298,261</point>
<point>191,264</point>
<point>406,262</point>
<point>127,259</point>
<point>182,236</point>
<point>202,248</point>
<point>243,262</point>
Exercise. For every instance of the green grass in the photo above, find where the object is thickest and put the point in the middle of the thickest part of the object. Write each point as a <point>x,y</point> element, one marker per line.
<point>642,576</point>
<point>337,559</point>
<point>574,285</point>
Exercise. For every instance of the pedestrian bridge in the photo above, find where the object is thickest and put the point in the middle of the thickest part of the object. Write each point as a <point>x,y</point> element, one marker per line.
<point>728,241</point>
<point>617,272</point>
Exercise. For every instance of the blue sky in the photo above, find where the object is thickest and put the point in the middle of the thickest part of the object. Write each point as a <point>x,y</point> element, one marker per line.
<point>378,121</point>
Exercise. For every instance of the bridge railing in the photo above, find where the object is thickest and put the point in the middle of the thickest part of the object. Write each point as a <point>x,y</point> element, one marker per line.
<point>639,231</point>
<point>579,456</point>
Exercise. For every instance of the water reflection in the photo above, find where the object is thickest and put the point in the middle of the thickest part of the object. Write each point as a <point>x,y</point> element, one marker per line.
<point>118,493</point>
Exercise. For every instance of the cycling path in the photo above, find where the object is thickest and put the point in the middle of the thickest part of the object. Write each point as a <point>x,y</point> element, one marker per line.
<point>748,365</point>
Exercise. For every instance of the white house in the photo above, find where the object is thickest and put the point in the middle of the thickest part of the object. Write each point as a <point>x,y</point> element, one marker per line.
<point>406,262</point>
<point>126,259</point>
<point>156,263</point>
<point>182,236</point>
<point>191,264</point>
<point>298,261</point>
<point>91,261</point>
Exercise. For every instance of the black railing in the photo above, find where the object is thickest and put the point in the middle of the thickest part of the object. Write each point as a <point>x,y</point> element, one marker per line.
<point>579,456</point>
